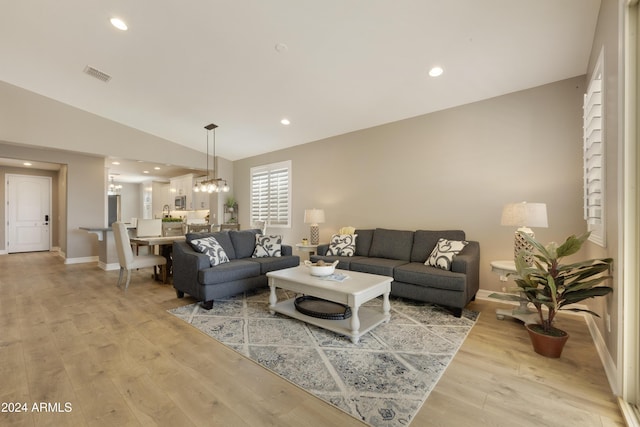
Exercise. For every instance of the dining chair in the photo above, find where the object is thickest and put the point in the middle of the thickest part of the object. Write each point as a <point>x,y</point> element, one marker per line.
<point>147,228</point>
<point>129,261</point>
<point>172,229</point>
<point>229,227</point>
<point>198,228</point>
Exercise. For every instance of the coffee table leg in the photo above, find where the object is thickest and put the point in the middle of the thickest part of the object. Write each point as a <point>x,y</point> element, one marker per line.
<point>273,298</point>
<point>355,325</point>
<point>386,307</point>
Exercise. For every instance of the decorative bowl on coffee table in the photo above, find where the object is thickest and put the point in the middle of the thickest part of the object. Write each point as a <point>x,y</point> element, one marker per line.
<point>321,269</point>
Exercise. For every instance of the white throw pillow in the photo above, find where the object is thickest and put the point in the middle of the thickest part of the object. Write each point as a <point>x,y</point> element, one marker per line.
<point>342,245</point>
<point>267,246</point>
<point>210,247</point>
<point>442,255</point>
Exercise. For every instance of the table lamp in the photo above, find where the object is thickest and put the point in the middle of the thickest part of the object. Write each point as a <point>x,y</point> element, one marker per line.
<point>314,217</point>
<point>524,215</point>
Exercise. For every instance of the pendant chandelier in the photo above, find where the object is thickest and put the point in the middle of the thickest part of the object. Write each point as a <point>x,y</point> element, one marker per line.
<point>211,184</point>
<point>113,187</point>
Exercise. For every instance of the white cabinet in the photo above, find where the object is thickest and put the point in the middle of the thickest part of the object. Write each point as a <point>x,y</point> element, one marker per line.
<point>161,197</point>
<point>201,200</point>
<point>182,186</point>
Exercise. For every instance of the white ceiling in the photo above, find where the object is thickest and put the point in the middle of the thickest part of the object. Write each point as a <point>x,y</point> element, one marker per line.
<point>350,64</point>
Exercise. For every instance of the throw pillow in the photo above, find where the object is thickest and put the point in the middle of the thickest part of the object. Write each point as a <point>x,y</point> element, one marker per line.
<point>442,255</point>
<point>267,246</point>
<point>342,245</point>
<point>210,247</point>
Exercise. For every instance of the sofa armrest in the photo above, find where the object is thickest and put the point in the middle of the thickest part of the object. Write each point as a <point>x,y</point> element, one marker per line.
<point>468,263</point>
<point>322,249</point>
<point>186,265</point>
<point>286,250</point>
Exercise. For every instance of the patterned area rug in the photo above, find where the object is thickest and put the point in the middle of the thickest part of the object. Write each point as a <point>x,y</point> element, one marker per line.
<point>383,380</point>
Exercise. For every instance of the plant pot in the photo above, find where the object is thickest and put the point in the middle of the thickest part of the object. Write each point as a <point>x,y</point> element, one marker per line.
<point>547,345</point>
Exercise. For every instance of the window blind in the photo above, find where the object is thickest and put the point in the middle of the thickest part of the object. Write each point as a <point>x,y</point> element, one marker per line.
<point>593,156</point>
<point>271,194</point>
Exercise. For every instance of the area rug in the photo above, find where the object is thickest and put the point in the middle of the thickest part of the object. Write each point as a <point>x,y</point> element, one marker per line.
<point>383,380</point>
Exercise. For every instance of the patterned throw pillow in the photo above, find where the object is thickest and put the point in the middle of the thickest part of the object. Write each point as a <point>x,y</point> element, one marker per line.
<point>442,254</point>
<point>342,245</point>
<point>267,246</point>
<point>210,247</point>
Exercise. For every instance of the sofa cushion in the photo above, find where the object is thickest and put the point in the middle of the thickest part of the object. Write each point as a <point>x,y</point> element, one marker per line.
<point>267,246</point>
<point>237,269</point>
<point>363,242</point>
<point>416,273</point>
<point>442,255</point>
<point>381,266</point>
<point>268,264</point>
<point>221,236</point>
<point>342,245</point>
<point>210,247</point>
<point>244,242</point>
<point>425,240</point>
<point>391,244</point>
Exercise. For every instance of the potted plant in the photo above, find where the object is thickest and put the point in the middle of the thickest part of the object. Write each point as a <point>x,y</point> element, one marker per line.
<point>548,283</point>
<point>231,203</point>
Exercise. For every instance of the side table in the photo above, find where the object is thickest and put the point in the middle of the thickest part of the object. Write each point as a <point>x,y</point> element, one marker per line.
<point>522,312</point>
<point>310,249</point>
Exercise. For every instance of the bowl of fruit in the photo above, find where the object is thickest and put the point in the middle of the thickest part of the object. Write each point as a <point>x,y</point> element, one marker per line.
<point>321,268</point>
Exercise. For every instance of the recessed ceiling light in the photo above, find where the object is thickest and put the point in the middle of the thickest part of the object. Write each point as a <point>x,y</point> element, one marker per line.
<point>281,48</point>
<point>28,164</point>
<point>115,163</point>
<point>145,171</point>
<point>157,168</point>
<point>285,122</point>
<point>436,71</point>
<point>119,24</point>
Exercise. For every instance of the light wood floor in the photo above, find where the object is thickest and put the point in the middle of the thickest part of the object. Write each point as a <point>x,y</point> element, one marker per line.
<point>67,334</point>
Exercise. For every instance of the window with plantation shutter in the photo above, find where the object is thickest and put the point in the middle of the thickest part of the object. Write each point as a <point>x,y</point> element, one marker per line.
<point>593,156</point>
<point>271,194</point>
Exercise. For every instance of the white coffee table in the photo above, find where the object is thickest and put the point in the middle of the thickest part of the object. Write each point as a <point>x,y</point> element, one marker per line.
<point>354,291</point>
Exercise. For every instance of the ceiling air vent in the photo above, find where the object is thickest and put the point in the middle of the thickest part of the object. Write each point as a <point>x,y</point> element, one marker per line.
<point>94,72</point>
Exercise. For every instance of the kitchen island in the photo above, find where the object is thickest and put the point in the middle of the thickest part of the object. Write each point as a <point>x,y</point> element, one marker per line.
<point>107,252</point>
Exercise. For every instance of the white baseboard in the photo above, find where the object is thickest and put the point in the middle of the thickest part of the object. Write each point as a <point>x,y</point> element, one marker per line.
<point>601,347</point>
<point>81,260</point>
<point>108,267</point>
<point>4,252</point>
<point>629,413</point>
<point>605,357</point>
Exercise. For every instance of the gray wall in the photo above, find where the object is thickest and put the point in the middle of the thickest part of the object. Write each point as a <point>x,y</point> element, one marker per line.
<point>607,37</point>
<point>451,169</point>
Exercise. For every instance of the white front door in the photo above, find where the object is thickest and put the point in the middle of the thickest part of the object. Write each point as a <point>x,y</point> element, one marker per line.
<point>29,213</point>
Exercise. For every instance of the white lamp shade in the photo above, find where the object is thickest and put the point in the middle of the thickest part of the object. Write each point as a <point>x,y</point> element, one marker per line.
<point>525,215</point>
<point>313,216</point>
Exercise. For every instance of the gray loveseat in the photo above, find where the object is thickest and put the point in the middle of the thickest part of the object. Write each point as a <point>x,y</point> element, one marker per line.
<point>194,275</point>
<point>402,254</point>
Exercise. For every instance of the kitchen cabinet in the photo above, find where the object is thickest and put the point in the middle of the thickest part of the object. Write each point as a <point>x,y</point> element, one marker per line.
<point>201,200</point>
<point>182,186</point>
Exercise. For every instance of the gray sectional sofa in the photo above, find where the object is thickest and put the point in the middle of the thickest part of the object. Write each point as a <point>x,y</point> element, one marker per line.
<point>194,275</point>
<point>402,255</point>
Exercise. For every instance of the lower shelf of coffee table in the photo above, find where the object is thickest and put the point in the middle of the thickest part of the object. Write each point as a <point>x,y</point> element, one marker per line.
<point>369,316</point>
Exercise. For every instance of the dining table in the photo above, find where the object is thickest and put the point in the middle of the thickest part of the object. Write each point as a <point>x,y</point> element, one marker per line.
<point>165,248</point>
